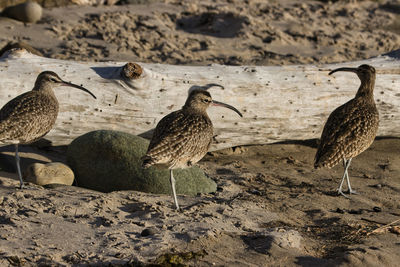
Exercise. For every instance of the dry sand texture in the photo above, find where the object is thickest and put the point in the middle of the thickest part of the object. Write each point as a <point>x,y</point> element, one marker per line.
<point>226,32</point>
<point>271,207</point>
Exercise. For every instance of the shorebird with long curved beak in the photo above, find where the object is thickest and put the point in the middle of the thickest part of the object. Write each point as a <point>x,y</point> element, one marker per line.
<point>183,137</point>
<point>351,128</point>
<point>31,115</point>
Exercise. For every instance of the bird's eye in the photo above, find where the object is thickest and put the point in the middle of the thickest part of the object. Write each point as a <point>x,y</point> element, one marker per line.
<point>206,100</point>
<point>53,80</point>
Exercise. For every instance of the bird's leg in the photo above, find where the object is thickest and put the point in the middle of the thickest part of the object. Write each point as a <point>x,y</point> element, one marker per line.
<point>341,183</point>
<point>346,164</point>
<point>18,167</point>
<point>351,191</point>
<point>172,180</point>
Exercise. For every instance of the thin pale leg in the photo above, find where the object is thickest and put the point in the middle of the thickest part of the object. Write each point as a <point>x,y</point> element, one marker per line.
<point>346,164</point>
<point>21,185</point>
<point>351,191</point>
<point>172,181</point>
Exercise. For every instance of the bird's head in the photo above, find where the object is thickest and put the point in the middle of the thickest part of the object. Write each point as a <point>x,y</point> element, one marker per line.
<point>200,100</point>
<point>49,80</point>
<point>364,72</point>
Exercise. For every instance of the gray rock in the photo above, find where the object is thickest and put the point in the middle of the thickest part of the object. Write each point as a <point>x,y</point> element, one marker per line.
<point>26,12</point>
<point>109,160</point>
<point>49,173</point>
<point>61,3</point>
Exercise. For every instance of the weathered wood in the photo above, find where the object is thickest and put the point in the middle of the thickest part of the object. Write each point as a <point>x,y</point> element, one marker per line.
<point>278,102</point>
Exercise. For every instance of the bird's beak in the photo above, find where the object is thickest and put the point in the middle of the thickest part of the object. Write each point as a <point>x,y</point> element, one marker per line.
<point>220,104</point>
<point>77,86</point>
<point>344,69</point>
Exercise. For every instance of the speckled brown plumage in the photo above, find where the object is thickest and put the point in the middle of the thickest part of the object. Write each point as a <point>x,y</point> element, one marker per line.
<point>352,127</point>
<point>183,137</point>
<point>31,115</point>
<point>180,140</point>
<point>28,117</point>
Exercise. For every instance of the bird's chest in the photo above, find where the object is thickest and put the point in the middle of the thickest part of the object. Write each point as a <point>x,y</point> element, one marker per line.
<point>40,122</point>
<point>196,148</point>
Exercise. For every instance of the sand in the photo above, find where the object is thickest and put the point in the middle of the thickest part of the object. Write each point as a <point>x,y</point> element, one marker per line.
<point>225,32</point>
<point>271,207</point>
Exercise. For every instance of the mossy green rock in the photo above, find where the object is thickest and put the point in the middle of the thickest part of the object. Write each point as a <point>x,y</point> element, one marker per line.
<point>109,160</point>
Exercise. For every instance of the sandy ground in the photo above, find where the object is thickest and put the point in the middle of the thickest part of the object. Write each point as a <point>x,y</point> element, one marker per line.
<point>225,32</point>
<point>271,208</point>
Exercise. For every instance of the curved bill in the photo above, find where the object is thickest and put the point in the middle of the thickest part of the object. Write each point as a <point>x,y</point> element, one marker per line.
<point>208,86</point>
<point>343,69</point>
<point>79,87</point>
<point>220,104</point>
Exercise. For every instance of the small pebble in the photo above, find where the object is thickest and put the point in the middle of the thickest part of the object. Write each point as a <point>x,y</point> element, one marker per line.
<point>149,231</point>
<point>339,210</point>
<point>255,192</point>
<point>377,209</point>
<point>356,212</point>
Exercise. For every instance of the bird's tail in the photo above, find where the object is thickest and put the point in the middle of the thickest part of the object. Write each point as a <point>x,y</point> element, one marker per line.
<point>318,164</point>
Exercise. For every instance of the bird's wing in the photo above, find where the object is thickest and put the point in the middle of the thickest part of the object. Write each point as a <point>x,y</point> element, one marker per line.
<point>28,116</point>
<point>347,127</point>
<point>178,136</point>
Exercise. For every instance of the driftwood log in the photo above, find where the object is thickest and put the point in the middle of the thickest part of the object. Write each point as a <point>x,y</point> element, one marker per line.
<point>278,102</point>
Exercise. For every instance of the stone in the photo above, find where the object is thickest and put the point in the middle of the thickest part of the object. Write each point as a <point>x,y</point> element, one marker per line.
<point>377,209</point>
<point>28,12</point>
<point>61,3</point>
<point>110,160</point>
<point>49,173</point>
<point>6,3</point>
<point>149,231</point>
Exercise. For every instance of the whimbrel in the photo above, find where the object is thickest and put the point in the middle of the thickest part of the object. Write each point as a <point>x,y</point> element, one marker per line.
<point>351,128</point>
<point>29,116</point>
<point>183,137</point>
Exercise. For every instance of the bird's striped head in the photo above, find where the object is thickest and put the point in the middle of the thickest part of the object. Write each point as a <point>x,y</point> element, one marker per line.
<point>200,100</point>
<point>367,75</point>
<point>48,80</point>
<point>364,72</point>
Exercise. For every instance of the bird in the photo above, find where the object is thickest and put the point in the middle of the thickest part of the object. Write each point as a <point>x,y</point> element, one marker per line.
<point>351,128</point>
<point>31,115</point>
<point>183,137</point>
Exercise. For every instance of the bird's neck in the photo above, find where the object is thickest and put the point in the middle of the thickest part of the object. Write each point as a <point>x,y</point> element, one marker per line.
<point>43,89</point>
<point>366,89</point>
<point>193,110</point>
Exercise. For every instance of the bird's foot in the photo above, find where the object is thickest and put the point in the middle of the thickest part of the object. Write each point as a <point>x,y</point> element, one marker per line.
<point>340,192</point>
<point>30,186</point>
<point>178,209</point>
<point>351,191</point>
